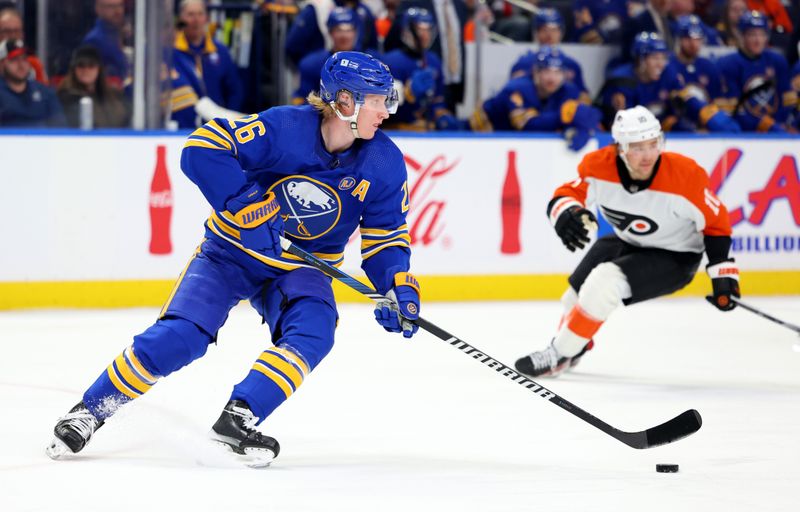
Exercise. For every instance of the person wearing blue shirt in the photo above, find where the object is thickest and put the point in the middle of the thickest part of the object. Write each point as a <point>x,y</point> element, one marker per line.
<point>307,33</point>
<point>342,26</point>
<point>420,72</point>
<point>549,31</point>
<point>701,77</point>
<point>313,174</point>
<point>649,82</point>
<point>24,102</point>
<point>204,64</point>
<point>759,94</point>
<point>541,102</point>
<point>106,36</point>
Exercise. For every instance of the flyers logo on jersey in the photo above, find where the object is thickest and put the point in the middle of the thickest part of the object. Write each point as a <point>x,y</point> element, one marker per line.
<point>309,208</point>
<point>634,224</point>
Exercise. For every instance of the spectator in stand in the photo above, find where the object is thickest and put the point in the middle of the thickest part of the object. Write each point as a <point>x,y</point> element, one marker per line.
<point>795,125</point>
<point>450,17</point>
<point>342,24</point>
<point>11,28</point>
<point>24,102</point>
<point>549,31</point>
<point>654,18</point>
<point>727,26</point>
<point>307,34</point>
<point>603,22</point>
<point>205,64</point>
<point>700,76</point>
<point>86,79</point>
<point>107,36</point>
<point>650,83</point>
<point>685,8</point>
<point>759,95</point>
<point>420,72</point>
<point>541,102</point>
<point>384,20</point>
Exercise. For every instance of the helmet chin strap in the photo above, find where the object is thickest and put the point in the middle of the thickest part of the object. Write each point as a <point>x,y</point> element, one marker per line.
<point>353,119</point>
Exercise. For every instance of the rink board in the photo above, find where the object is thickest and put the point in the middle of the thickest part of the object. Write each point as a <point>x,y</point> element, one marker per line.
<point>78,222</point>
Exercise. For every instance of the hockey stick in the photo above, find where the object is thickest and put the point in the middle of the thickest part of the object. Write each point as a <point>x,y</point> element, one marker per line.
<point>778,321</point>
<point>684,424</point>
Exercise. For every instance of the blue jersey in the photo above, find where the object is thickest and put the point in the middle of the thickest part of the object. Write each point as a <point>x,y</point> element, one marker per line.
<point>667,98</point>
<point>36,106</point>
<point>304,36</point>
<point>209,71</point>
<point>758,91</point>
<point>599,21</point>
<point>518,106</point>
<point>701,80</point>
<point>414,112</point>
<point>324,197</point>
<point>106,38</point>
<point>572,70</point>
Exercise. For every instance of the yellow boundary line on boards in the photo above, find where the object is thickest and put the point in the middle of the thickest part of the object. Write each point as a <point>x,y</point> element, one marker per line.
<point>120,294</point>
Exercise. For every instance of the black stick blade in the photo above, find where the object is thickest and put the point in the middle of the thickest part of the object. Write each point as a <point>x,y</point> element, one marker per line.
<point>680,426</point>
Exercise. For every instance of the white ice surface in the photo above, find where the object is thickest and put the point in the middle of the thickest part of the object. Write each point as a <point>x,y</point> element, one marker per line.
<point>389,425</point>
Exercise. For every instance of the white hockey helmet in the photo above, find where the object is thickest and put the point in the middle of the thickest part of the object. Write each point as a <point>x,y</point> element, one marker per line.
<point>636,124</point>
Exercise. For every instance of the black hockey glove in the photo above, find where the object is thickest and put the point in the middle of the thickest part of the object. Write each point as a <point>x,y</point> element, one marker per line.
<point>725,282</point>
<point>572,227</point>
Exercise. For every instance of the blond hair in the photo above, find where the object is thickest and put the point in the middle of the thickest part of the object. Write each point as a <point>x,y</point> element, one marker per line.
<point>319,104</point>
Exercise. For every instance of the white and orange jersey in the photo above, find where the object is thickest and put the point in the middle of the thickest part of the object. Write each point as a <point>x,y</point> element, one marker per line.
<point>674,212</point>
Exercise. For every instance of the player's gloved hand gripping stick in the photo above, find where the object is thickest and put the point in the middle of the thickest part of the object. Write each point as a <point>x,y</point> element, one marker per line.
<point>255,212</point>
<point>678,427</point>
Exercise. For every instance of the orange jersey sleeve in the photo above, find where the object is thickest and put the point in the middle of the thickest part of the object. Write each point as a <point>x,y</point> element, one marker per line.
<point>683,176</point>
<point>600,164</point>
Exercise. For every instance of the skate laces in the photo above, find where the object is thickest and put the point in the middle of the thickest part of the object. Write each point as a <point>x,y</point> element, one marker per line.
<point>248,421</point>
<point>547,358</point>
<point>81,421</point>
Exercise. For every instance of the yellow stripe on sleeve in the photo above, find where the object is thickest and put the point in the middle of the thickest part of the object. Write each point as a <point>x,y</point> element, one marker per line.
<point>201,144</point>
<point>221,131</point>
<point>205,132</point>
<point>366,244</point>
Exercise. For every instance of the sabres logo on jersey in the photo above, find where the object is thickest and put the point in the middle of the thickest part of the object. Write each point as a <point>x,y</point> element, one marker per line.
<point>634,224</point>
<point>309,208</point>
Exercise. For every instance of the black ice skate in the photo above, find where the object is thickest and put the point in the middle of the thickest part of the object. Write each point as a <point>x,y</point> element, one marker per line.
<point>548,362</point>
<point>72,432</point>
<point>235,429</point>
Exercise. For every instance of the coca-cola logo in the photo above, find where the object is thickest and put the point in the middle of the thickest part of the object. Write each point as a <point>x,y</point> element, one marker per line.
<point>161,199</point>
<point>426,212</point>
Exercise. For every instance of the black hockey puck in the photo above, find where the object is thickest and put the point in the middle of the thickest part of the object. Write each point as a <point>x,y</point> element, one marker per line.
<point>667,468</point>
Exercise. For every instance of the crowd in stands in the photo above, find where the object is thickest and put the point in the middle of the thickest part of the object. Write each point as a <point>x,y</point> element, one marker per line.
<point>752,87</point>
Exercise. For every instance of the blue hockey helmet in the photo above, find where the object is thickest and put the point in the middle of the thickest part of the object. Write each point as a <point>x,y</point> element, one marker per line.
<point>691,26</point>
<point>647,43</point>
<point>753,19</point>
<point>358,74</point>
<point>548,16</point>
<point>412,19</point>
<point>548,57</point>
<point>342,16</point>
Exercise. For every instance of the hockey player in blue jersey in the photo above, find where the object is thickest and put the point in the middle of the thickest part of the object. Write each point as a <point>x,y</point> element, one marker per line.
<point>649,82</point>
<point>549,31</point>
<point>420,71</point>
<point>342,27</point>
<point>543,102</point>
<point>313,173</point>
<point>758,93</point>
<point>701,77</point>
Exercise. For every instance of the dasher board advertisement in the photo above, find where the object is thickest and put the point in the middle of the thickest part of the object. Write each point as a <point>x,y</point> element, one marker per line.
<point>118,208</point>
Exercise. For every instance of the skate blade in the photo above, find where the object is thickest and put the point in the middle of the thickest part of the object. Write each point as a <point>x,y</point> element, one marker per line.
<point>57,449</point>
<point>252,457</point>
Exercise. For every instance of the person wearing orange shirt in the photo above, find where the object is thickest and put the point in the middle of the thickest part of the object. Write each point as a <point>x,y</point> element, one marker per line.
<point>664,218</point>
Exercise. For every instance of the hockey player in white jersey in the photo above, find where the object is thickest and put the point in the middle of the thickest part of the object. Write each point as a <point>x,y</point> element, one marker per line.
<point>664,218</point>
